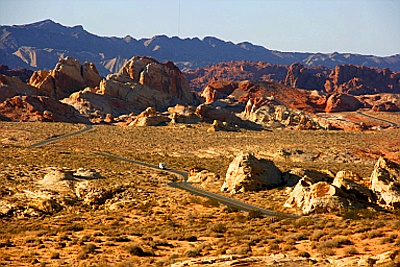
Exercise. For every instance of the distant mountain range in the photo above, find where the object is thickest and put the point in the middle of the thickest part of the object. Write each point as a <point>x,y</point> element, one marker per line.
<point>40,45</point>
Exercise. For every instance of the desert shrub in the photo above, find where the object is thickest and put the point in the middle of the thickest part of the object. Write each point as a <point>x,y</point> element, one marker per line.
<point>195,200</point>
<point>209,203</point>
<point>350,251</point>
<point>326,251</point>
<point>303,222</point>
<point>230,209</point>
<point>122,239</point>
<point>362,229</point>
<point>82,255</point>
<point>55,255</point>
<point>297,236</point>
<point>367,213</point>
<point>343,240</point>
<point>388,239</point>
<point>90,248</point>
<point>193,253</point>
<point>350,214</point>
<point>289,248</point>
<point>374,233</point>
<point>337,242</point>
<point>303,254</point>
<point>378,224</point>
<point>316,235</point>
<point>136,251</point>
<point>219,228</point>
<point>74,227</point>
<point>396,225</point>
<point>253,214</point>
<point>273,247</point>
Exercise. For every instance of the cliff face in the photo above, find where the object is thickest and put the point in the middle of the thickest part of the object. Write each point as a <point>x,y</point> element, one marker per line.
<point>68,76</point>
<point>298,76</point>
<point>356,80</point>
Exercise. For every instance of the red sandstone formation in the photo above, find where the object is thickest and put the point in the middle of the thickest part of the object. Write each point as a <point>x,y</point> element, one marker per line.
<point>38,108</point>
<point>299,76</point>
<point>236,71</point>
<point>68,76</point>
<point>356,80</point>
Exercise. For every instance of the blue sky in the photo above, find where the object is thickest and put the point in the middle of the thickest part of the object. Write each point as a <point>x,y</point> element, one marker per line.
<point>357,26</point>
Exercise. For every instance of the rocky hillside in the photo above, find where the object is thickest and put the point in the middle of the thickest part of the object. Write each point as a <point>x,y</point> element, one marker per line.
<point>40,45</point>
<point>73,92</point>
<point>351,79</point>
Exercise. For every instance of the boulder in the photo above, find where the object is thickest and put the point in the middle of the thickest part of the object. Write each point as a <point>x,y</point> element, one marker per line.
<point>149,117</point>
<point>212,113</point>
<point>342,102</point>
<point>202,176</point>
<point>183,114</point>
<point>247,173</point>
<point>292,177</point>
<point>217,90</point>
<point>67,77</point>
<point>317,197</point>
<point>385,183</point>
<point>346,181</point>
<point>269,113</point>
<point>222,126</point>
<point>88,174</point>
<point>59,180</point>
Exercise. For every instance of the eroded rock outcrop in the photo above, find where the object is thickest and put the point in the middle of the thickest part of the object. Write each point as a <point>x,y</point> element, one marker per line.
<point>247,173</point>
<point>142,82</point>
<point>149,117</point>
<point>349,183</point>
<point>298,76</point>
<point>361,80</point>
<point>39,108</point>
<point>68,76</point>
<point>22,74</point>
<point>319,197</point>
<point>13,86</point>
<point>269,113</point>
<point>342,102</point>
<point>385,183</point>
<point>164,78</point>
<point>222,126</point>
<point>183,114</point>
<point>235,71</point>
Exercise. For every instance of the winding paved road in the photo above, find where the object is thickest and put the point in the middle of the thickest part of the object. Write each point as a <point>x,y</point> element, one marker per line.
<point>378,119</point>
<point>180,185</point>
<point>45,142</point>
<point>200,192</point>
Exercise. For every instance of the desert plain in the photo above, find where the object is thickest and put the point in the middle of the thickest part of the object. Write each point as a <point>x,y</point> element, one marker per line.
<point>133,218</point>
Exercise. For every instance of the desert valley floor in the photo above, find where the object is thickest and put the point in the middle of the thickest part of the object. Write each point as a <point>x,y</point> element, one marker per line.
<point>140,221</point>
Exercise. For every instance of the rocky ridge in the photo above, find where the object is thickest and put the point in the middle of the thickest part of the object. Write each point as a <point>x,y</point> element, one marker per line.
<point>39,46</point>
